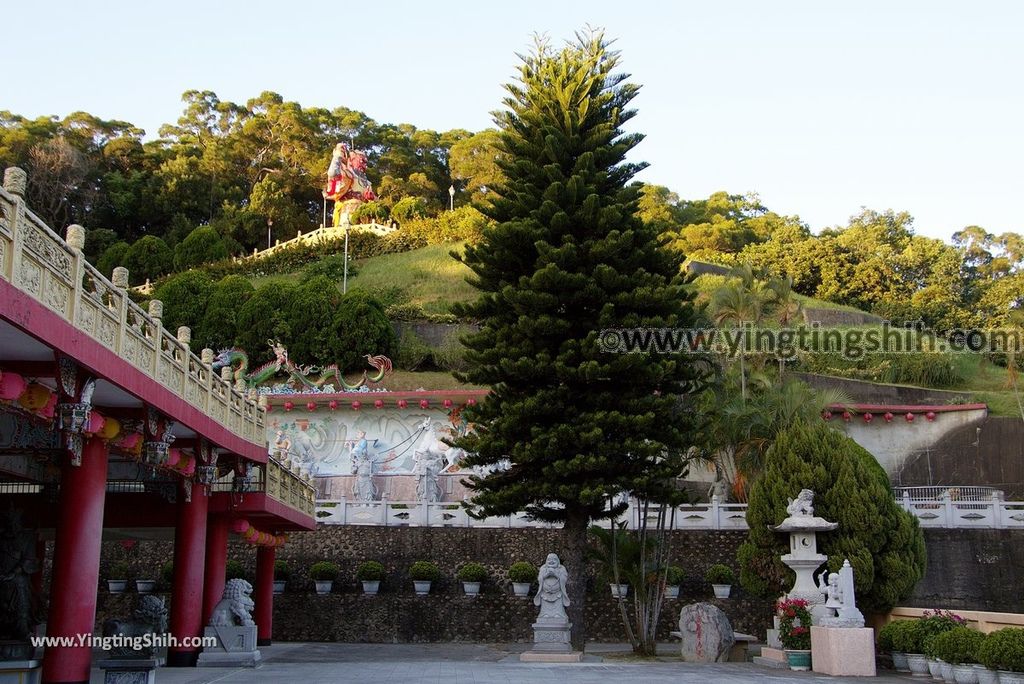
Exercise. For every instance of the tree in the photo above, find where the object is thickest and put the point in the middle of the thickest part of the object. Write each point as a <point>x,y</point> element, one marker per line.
<point>569,427</point>
<point>359,327</point>
<point>475,162</point>
<point>113,256</point>
<point>185,297</point>
<point>148,259</point>
<point>202,245</point>
<point>265,317</point>
<point>218,327</point>
<point>883,542</point>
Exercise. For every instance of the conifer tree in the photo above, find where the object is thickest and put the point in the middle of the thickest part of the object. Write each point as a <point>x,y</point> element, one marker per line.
<point>883,542</point>
<point>568,426</point>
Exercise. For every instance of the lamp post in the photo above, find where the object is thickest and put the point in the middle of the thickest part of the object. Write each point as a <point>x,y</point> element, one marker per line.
<point>451,198</point>
<point>344,281</point>
<point>270,224</point>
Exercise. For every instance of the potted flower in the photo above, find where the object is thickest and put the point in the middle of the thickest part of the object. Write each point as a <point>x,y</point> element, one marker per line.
<point>471,575</point>
<point>1003,650</point>
<point>795,632</point>
<point>324,573</point>
<point>673,578</point>
<point>959,648</point>
<point>521,574</point>
<point>370,574</point>
<point>282,571</point>
<point>720,577</point>
<point>117,577</point>
<point>932,624</point>
<point>423,574</point>
<point>890,641</point>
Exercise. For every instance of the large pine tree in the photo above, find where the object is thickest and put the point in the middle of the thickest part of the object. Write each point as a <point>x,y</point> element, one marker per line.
<point>569,426</point>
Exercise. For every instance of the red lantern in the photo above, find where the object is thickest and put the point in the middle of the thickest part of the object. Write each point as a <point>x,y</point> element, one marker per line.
<point>447,403</point>
<point>190,469</point>
<point>471,402</point>
<point>868,417</point>
<point>909,417</point>
<point>826,415</point>
<point>378,404</point>
<point>402,403</point>
<point>50,408</point>
<point>424,404</point>
<point>888,417</point>
<point>333,404</point>
<point>847,416</point>
<point>96,422</point>
<point>311,406</point>
<point>239,526</point>
<point>173,457</point>
<point>34,397</point>
<point>288,406</point>
<point>930,415</point>
<point>356,405</point>
<point>11,386</point>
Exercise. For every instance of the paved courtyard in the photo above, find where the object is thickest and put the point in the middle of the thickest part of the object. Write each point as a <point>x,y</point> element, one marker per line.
<point>475,664</point>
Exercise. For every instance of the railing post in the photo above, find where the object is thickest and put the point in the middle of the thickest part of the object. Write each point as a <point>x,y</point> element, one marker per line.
<point>156,312</point>
<point>997,512</point>
<point>15,182</point>
<point>119,279</point>
<point>949,520</point>
<point>76,241</point>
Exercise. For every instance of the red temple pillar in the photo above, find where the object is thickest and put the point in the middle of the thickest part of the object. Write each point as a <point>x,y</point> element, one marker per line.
<point>264,595</point>
<point>76,564</point>
<point>216,559</point>
<point>189,561</point>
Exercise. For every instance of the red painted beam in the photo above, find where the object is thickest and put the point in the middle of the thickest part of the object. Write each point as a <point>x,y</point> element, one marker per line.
<point>909,408</point>
<point>33,318</point>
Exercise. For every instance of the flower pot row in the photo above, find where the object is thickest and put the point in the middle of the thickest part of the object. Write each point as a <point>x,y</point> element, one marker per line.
<point>142,586</point>
<point>422,573</point>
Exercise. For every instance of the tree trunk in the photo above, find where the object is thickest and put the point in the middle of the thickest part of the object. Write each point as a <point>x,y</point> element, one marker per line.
<point>573,557</point>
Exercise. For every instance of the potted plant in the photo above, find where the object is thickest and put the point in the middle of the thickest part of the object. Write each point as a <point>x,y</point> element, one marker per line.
<point>673,578</point>
<point>913,645</point>
<point>282,571</point>
<point>370,574</point>
<point>324,573</point>
<point>145,586</point>
<point>521,574</point>
<point>1003,650</point>
<point>795,632</point>
<point>959,648</point>
<point>423,574</point>
<point>888,639</point>
<point>117,577</point>
<point>932,624</point>
<point>720,577</point>
<point>234,570</point>
<point>936,667</point>
<point>471,575</point>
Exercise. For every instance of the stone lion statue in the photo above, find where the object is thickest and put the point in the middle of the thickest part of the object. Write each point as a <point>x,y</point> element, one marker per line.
<point>802,504</point>
<point>149,618</point>
<point>235,607</point>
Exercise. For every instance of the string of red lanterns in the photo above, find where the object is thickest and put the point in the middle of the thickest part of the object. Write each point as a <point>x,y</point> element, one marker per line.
<point>253,536</point>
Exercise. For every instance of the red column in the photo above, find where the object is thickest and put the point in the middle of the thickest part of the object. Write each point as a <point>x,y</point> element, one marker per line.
<point>76,564</point>
<point>264,595</point>
<point>216,559</point>
<point>189,560</point>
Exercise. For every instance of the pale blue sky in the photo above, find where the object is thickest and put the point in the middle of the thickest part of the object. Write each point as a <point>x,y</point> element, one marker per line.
<point>820,107</point>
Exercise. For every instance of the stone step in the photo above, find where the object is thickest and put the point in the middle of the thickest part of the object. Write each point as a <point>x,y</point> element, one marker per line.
<point>773,653</point>
<point>770,662</point>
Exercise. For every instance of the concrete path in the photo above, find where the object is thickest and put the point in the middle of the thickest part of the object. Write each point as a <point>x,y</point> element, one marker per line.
<point>477,664</point>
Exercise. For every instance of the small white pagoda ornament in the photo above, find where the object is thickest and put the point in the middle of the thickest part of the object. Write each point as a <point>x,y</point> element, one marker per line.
<point>803,557</point>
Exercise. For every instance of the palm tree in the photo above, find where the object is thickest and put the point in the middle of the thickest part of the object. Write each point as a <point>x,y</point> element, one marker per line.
<point>741,303</point>
<point>787,308</point>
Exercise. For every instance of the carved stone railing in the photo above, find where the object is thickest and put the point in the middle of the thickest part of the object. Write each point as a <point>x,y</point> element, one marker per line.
<point>323,235</point>
<point>54,272</point>
<point>289,487</point>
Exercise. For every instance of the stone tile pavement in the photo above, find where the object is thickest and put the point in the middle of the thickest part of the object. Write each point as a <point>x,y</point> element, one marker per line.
<point>477,664</point>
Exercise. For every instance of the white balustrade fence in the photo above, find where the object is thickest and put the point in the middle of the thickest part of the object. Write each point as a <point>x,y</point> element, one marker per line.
<point>942,512</point>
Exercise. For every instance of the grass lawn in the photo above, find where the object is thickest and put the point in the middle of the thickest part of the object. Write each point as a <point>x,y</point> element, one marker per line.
<point>429,276</point>
<point>429,380</point>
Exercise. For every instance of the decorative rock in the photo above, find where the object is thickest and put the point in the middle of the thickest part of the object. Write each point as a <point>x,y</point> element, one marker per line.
<point>76,237</point>
<point>15,181</point>
<point>706,633</point>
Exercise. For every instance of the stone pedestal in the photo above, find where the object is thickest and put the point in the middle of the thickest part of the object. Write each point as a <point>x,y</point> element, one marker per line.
<point>20,671</point>
<point>551,644</point>
<point>843,652</point>
<point>129,670</point>
<point>236,647</point>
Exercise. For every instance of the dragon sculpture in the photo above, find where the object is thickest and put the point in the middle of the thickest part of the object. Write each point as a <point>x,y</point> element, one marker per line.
<point>299,377</point>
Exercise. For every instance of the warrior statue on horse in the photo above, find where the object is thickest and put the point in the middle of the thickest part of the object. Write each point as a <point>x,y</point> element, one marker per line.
<point>347,184</point>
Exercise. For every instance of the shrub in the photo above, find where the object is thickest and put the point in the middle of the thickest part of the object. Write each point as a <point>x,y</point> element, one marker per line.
<point>794,624</point>
<point>906,636</point>
<point>451,355</point>
<point>331,267</point>
<point>113,257</point>
<point>359,327</point>
<point>424,571</point>
<point>1003,650</point>
<point>119,570</point>
<point>324,571</point>
<point>957,646</point>
<point>887,636</point>
<point>148,259</point>
<point>674,575</point>
<point>883,542</point>
<point>472,572</point>
<point>186,297</point>
<point>408,208</point>
<point>167,573</point>
<point>200,246</point>
<point>282,571</point>
<point>412,351</point>
<point>934,623</point>
<point>522,572</point>
<point>264,317</point>
<point>719,574</point>
<point>234,570</point>
<point>370,571</point>
<point>219,325</point>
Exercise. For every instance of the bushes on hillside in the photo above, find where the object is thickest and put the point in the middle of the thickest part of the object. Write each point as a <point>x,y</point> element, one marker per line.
<point>464,224</point>
<point>148,259</point>
<point>185,297</point>
<point>883,542</point>
<point>202,245</point>
<point>219,325</point>
<point>359,327</point>
<point>112,257</point>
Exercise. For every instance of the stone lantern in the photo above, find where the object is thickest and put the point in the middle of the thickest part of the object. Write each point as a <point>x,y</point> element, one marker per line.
<point>803,557</point>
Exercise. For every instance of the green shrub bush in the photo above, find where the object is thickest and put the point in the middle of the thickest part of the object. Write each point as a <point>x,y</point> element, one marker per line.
<point>719,574</point>
<point>413,352</point>
<point>167,573</point>
<point>674,576</point>
<point>186,297</point>
<point>472,572</point>
<point>234,570</point>
<point>202,245</point>
<point>370,571</point>
<point>424,571</point>
<point>324,571</point>
<point>957,646</point>
<point>1003,650</point>
<point>148,259</point>
<point>522,572</point>
<point>906,636</point>
<point>118,570</point>
<point>282,571</point>
<point>331,267</point>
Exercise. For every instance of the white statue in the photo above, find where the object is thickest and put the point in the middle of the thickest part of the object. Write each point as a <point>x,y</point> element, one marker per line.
<point>841,598</point>
<point>552,591</point>
<point>802,506</point>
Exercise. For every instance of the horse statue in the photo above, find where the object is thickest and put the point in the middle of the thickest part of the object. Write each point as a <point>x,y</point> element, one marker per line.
<point>347,184</point>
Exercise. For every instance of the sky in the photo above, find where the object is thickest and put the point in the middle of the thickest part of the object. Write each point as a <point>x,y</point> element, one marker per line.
<point>821,108</point>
